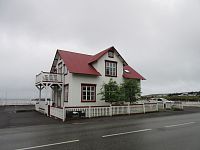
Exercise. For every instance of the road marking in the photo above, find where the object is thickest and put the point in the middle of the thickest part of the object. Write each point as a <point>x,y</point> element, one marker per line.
<point>182,124</point>
<point>77,123</point>
<point>46,145</point>
<point>123,133</point>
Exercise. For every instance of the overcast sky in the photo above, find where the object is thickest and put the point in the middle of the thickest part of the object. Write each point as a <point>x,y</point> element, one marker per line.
<point>159,38</point>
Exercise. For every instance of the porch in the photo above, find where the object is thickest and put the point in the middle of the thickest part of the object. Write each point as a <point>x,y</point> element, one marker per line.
<point>44,78</point>
<point>53,85</point>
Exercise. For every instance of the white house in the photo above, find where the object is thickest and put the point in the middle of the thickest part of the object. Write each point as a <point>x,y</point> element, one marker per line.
<point>76,79</point>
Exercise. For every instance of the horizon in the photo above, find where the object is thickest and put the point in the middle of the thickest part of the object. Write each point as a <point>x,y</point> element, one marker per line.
<point>159,39</point>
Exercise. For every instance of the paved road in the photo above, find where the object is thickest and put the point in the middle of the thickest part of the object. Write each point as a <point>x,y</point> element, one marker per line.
<point>155,132</point>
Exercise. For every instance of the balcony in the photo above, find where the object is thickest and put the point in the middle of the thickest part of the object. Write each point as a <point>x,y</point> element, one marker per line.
<point>46,77</point>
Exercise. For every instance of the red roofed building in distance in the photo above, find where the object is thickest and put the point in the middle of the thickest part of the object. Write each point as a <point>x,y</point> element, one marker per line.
<point>76,79</point>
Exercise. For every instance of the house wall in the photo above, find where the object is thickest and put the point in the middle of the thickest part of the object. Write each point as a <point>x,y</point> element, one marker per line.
<point>75,80</point>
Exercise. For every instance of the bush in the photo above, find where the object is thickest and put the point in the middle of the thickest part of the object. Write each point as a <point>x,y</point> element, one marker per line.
<point>128,91</point>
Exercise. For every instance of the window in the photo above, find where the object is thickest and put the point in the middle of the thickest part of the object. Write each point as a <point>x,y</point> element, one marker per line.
<point>65,70</point>
<point>88,92</point>
<point>66,91</point>
<point>111,68</point>
<point>111,54</point>
<point>60,67</point>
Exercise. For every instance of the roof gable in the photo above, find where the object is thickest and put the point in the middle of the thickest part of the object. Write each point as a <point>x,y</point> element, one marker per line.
<point>82,63</point>
<point>102,53</point>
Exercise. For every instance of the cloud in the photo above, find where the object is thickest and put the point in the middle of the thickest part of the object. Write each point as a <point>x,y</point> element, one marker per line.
<point>160,39</point>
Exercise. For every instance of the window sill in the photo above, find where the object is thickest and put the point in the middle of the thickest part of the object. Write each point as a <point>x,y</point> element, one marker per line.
<point>84,101</point>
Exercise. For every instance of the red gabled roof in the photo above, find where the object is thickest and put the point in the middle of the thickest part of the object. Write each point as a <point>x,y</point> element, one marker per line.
<point>130,73</point>
<point>78,63</point>
<point>82,63</point>
<point>99,55</point>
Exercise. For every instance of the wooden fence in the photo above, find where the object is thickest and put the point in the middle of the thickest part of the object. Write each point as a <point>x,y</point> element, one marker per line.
<point>101,111</point>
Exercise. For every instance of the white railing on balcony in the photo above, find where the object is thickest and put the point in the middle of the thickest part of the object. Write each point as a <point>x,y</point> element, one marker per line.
<point>48,77</point>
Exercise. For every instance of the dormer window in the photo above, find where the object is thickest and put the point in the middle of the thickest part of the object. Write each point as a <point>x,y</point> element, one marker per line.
<point>111,54</point>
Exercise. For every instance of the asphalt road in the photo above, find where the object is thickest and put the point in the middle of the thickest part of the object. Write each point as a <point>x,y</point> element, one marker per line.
<point>156,131</point>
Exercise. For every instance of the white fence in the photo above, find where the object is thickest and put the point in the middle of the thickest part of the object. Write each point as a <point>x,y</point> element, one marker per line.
<point>170,105</point>
<point>57,112</point>
<point>195,104</point>
<point>115,110</point>
<point>41,106</point>
<point>177,105</point>
<point>100,111</point>
<point>150,107</point>
<point>161,106</point>
<point>136,109</point>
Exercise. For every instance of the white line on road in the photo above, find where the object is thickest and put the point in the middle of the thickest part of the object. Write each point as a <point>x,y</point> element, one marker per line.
<point>77,123</point>
<point>46,145</point>
<point>182,124</point>
<point>123,133</point>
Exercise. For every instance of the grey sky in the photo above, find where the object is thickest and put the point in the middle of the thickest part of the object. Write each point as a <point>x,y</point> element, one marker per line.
<point>158,38</point>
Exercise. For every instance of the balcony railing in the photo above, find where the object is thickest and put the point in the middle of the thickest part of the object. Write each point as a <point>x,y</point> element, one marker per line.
<point>48,77</point>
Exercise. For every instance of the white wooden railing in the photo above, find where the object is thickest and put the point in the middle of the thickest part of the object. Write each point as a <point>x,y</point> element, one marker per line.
<point>168,105</point>
<point>188,103</point>
<point>177,105</point>
<point>48,77</point>
<point>57,112</point>
<point>99,111</point>
<point>119,110</point>
<point>161,106</point>
<point>41,106</point>
<point>151,107</point>
<point>136,109</point>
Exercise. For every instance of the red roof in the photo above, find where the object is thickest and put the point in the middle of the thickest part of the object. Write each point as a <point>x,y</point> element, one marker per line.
<point>78,63</point>
<point>82,63</point>
<point>130,73</point>
<point>99,55</point>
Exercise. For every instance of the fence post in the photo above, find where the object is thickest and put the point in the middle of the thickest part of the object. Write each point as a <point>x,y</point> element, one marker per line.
<point>182,105</point>
<point>144,108</point>
<point>128,109</point>
<point>157,107</point>
<point>89,111</point>
<point>110,110</point>
<point>63,113</point>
